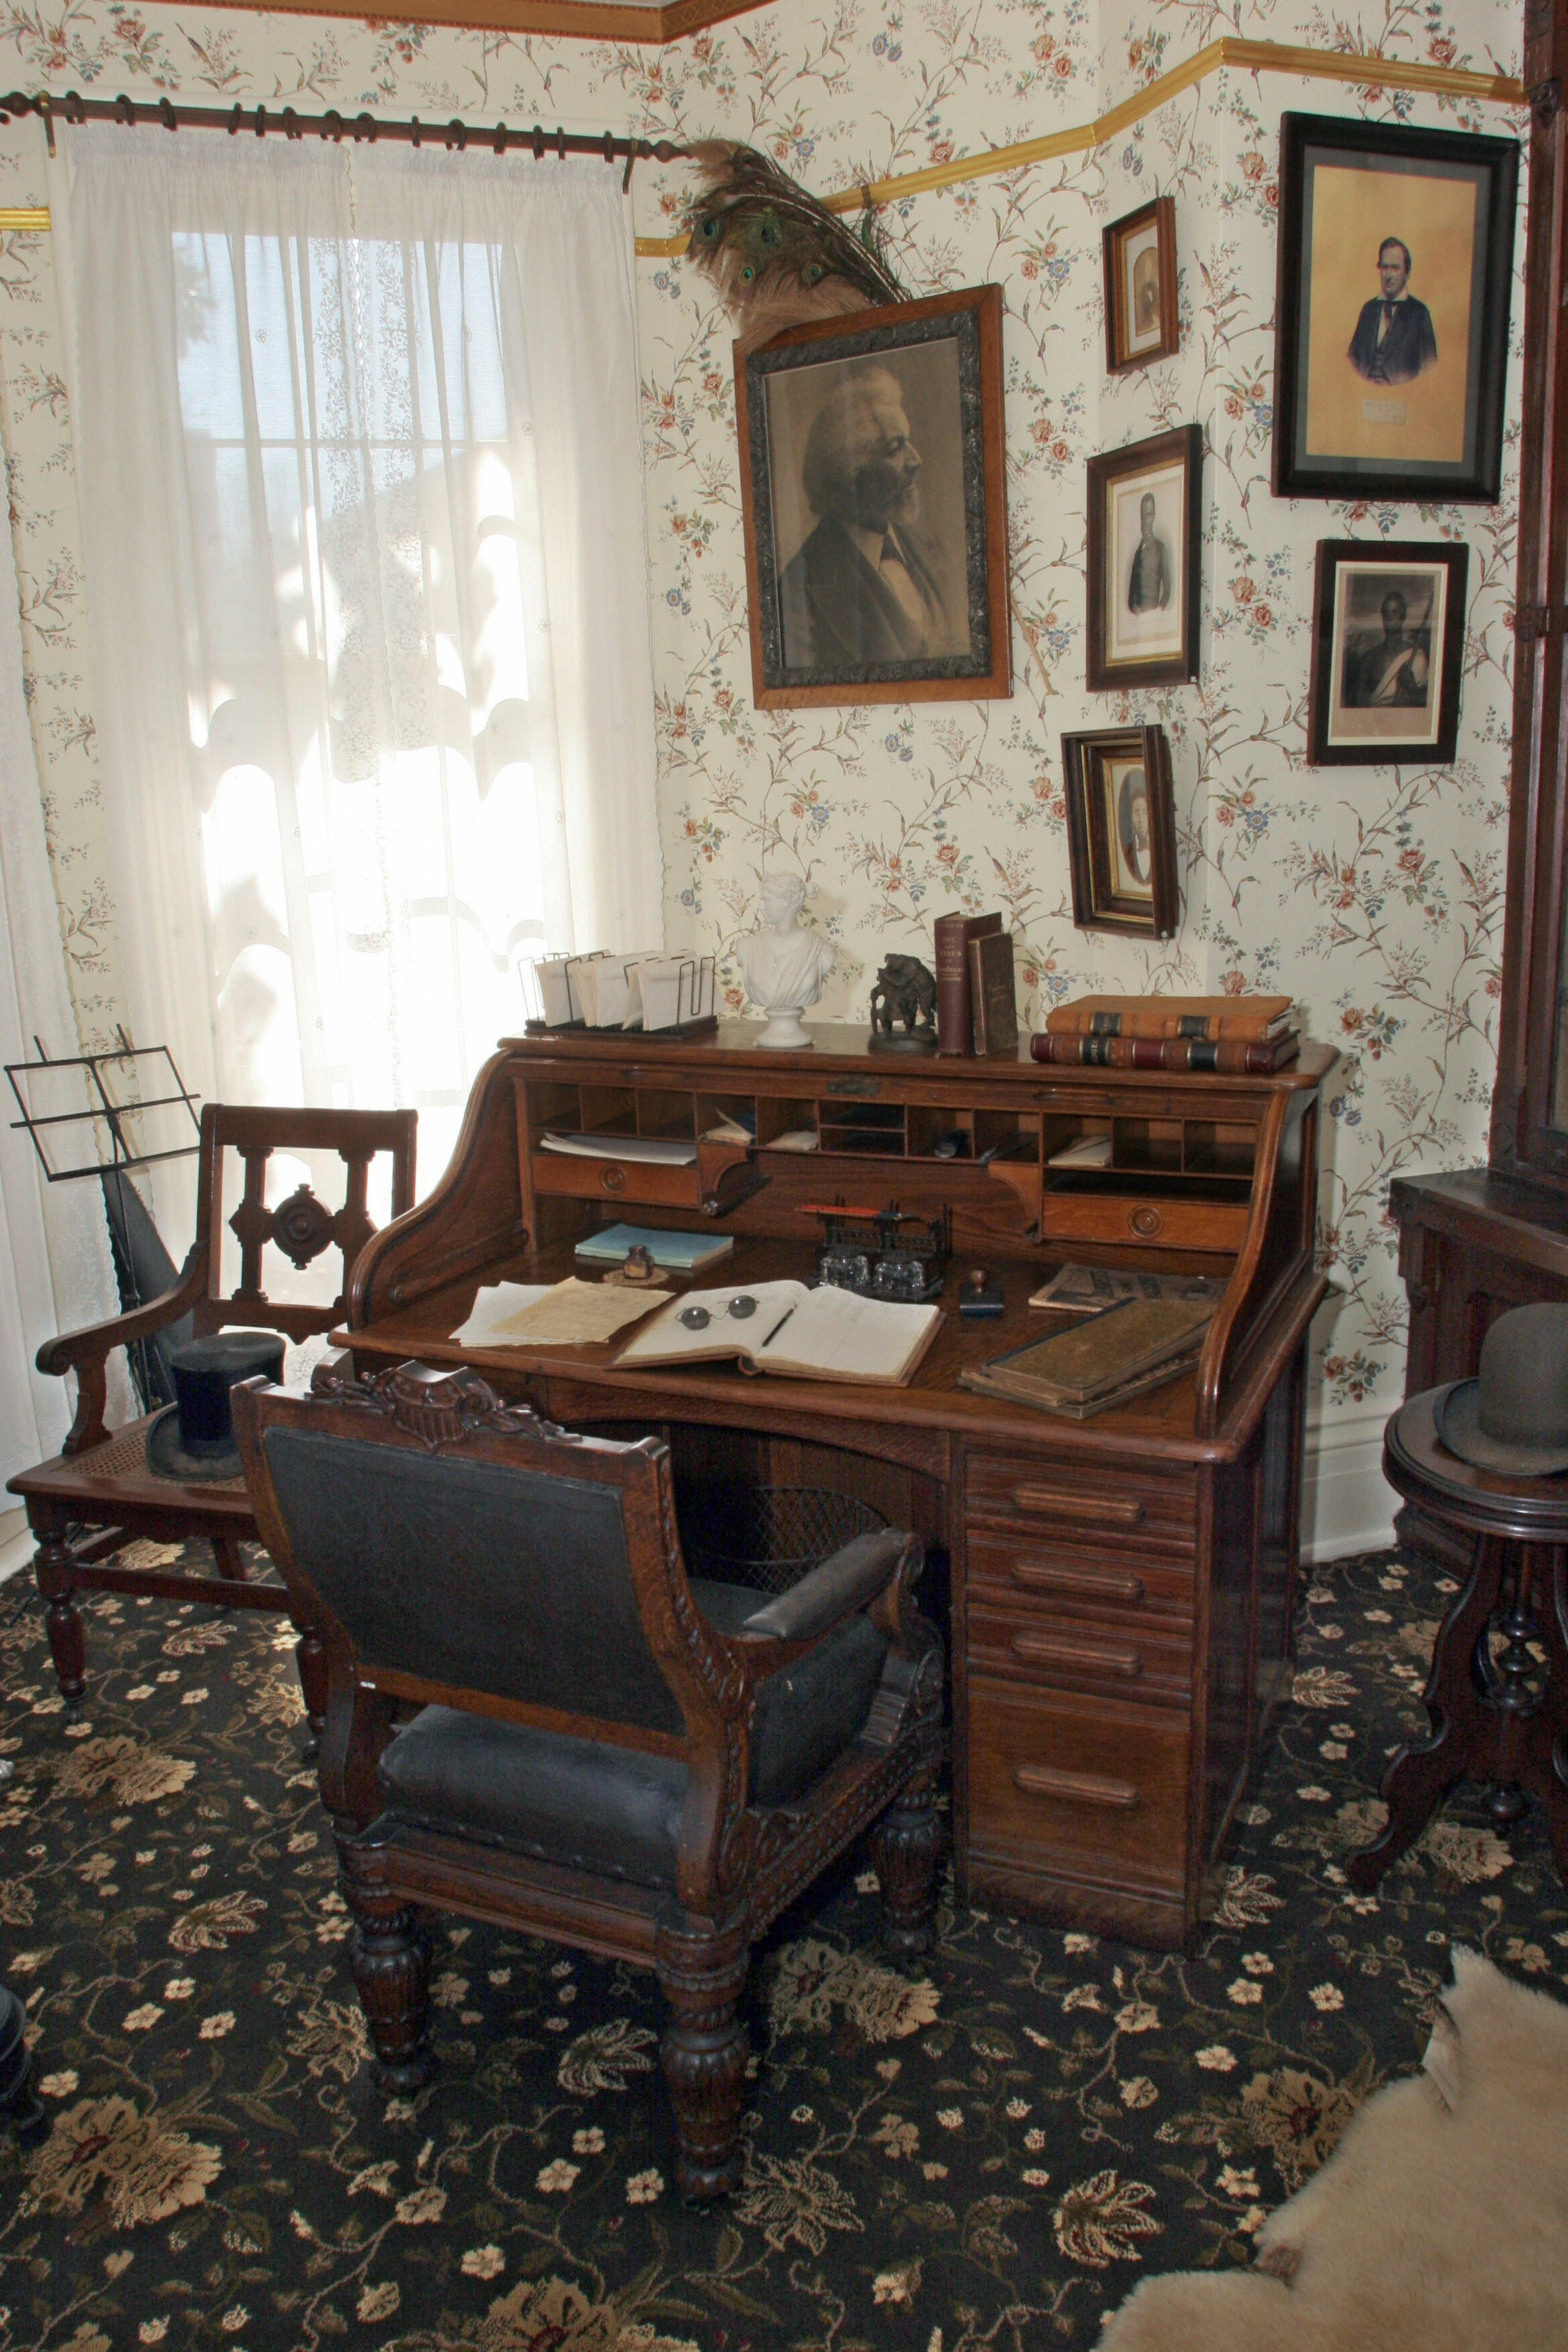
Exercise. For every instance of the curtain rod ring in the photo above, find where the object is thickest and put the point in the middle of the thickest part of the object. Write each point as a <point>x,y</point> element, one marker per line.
<point>609,147</point>
<point>369,130</point>
<point>414,129</point>
<point>123,111</point>
<point>538,143</point>
<point>332,123</point>
<point>234,121</point>
<point>500,137</point>
<point>166,115</point>
<point>72,107</point>
<point>261,122</point>
<point>291,124</point>
<point>559,144</point>
<point>456,134</point>
<point>49,119</point>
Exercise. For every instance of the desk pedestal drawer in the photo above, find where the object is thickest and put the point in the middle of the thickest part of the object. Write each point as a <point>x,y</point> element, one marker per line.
<point>1075,1501</point>
<point>1078,1786</point>
<point>1129,1660</point>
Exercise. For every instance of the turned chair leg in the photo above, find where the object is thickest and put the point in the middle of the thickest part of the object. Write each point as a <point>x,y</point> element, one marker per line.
<point>702,1974</point>
<point>391,1963</point>
<point>907,1845</point>
<point>310,1659</point>
<point>52,1566</point>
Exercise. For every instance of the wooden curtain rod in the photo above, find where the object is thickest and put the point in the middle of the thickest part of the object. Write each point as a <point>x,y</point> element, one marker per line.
<point>537,142</point>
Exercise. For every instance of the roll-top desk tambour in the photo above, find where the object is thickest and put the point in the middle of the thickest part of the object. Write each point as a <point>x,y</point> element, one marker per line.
<point>1119,1588</point>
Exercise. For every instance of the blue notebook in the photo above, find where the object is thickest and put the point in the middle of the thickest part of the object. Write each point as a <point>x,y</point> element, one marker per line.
<point>685,1251</point>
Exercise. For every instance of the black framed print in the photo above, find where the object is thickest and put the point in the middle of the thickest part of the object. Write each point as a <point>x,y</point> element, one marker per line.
<point>1144,530</point>
<point>1140,320</point>
<point>1395,267</point>
<point>1388,641</point>
<point>874,497</point>
<point>1121,831</point>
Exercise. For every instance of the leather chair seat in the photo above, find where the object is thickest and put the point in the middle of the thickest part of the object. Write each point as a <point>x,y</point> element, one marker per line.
<point>616,1811</point>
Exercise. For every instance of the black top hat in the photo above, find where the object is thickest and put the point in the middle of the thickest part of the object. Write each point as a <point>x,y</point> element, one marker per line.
<point>194,1437</point>
<point>1514,1416</point>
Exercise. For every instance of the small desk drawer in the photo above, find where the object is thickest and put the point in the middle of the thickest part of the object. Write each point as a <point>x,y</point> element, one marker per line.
<point>1068,1783</point>
<point>616,1179</point>
<point>1163,1224</point>
<point>1119,1585</point>
<point>1136,1659</point>
<point>1075,1501</point>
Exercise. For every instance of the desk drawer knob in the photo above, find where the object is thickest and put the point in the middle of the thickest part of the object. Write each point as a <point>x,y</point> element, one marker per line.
<point>1062,1502</point>
<point>1085,1657</point>
<point>613,1179</point>
<point>1146,1222</point>
<point>1076,1788</point>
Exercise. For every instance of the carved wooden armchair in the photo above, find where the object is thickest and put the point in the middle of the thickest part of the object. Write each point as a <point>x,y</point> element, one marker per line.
<point>99,1492</point>
<point>608,1752</point>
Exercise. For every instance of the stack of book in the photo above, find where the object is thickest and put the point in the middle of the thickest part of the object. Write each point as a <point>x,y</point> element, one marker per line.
<point>1137,1344</point>
<point>1230,1035</point>
<point>977,997</point>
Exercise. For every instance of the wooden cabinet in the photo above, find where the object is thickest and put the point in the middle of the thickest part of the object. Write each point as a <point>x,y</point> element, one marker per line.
<point>1119,1591</point>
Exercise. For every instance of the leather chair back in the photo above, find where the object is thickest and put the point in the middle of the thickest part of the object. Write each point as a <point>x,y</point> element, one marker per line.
<point>493,1579</point>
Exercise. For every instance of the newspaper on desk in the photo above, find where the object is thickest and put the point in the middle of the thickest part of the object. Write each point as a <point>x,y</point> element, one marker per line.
<point>552,1315</point>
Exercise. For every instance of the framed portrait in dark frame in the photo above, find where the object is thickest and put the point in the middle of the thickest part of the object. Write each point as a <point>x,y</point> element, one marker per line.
<point>873,490</point>
<point>1144,530</point>
<point>1388,641</point>
<point>1140,320</point>
<point>1396,266</point>
<point>1121,831</point>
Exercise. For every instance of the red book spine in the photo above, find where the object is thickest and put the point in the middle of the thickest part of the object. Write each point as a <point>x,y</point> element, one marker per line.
<point>954,1028</point>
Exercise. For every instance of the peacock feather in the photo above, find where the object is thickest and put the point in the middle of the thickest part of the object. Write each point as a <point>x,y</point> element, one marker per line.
<point>778,256</point>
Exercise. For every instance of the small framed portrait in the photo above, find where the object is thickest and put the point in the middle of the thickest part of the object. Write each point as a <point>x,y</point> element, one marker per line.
<point>1141,321</point>
<point>1121,831</point>
<point>1391,312</point>
<point>873,489</point>
<point>1144,530</point>
<point>1388,641</point>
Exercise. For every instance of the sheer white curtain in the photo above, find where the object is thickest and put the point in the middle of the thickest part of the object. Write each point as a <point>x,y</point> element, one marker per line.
<point>361,483</point>
<point>55,1268</point>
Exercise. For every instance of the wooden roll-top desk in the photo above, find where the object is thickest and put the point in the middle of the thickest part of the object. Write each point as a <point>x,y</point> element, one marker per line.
<point>1119,1590</point>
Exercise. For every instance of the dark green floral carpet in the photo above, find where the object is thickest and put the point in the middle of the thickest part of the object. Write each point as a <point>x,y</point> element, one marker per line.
<point>988,2152</point>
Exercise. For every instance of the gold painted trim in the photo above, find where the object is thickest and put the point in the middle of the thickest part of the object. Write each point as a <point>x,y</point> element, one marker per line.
<point>24,216</point>
<point>1250,57</point>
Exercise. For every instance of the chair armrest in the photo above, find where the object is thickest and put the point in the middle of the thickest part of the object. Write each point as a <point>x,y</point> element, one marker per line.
<point>834,1589</point>
<point>87,1351</point>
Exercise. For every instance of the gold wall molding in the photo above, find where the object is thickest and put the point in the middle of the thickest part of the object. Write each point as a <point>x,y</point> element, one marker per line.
<point>1247,56</point>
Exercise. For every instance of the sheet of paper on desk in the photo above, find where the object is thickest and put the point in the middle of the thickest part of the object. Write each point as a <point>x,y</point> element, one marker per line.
<point>562,1314</point>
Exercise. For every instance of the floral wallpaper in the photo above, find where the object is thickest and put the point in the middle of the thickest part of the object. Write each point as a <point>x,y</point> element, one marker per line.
<point>1373,896</point>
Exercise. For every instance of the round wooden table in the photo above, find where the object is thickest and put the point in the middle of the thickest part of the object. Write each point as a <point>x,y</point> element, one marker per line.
<point>1498,1692</point>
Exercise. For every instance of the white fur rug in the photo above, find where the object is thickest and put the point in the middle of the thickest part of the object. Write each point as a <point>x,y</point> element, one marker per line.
<point>1439,2223</point>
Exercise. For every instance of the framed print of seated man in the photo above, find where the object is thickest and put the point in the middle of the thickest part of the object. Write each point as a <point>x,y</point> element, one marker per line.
<point>1149,582</point>
<point>1393,340</point>
<point>866,585</point>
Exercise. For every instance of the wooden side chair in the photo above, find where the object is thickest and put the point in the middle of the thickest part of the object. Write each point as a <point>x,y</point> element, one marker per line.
<point>100,1492</point>
<point>606,1751</point>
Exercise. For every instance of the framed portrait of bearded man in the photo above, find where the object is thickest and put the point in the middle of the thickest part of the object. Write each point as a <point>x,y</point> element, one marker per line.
<point>873,491</point>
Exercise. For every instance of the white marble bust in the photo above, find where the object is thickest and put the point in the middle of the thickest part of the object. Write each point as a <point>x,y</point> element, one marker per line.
<point>783,964</point>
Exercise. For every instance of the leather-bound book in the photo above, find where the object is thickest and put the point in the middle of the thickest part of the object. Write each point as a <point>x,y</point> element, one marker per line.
<point>1249,1020</point>
<point>993,993</point>
<point>954,1017</point>
<point>1224,1057</point>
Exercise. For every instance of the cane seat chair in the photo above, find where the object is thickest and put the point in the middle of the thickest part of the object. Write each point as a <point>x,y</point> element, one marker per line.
<point>607,1752</point>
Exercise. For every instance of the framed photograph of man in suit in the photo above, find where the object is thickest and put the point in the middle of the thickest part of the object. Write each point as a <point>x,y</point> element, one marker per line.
<point>1144,533</point>
<point>1121,831</point>
<point>873,489</point>
<point>1388,641</point>
<point>1395,263</point>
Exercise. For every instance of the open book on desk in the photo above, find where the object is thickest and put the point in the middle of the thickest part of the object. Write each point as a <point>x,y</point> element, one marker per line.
<point>813,1335</point>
